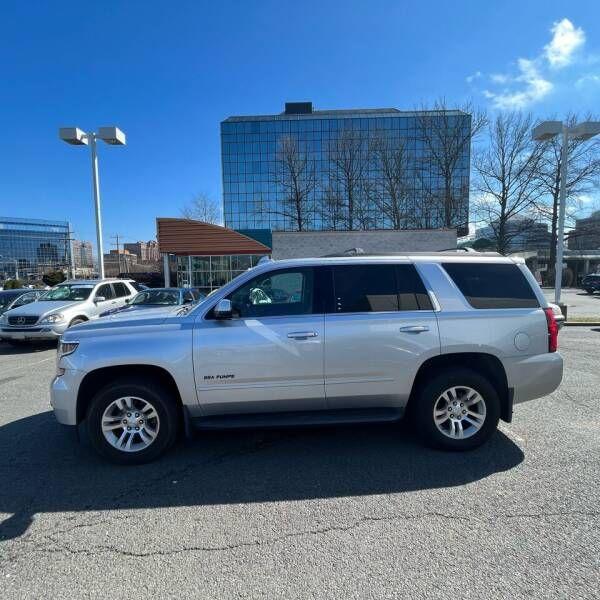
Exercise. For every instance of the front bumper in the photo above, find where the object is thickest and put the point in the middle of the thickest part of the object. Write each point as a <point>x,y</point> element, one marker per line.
<point>36,332</point>
<point>63,396</point>
<point>534,376</point>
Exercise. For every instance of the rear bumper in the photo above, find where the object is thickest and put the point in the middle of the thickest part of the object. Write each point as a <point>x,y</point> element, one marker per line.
<point>534,376</point>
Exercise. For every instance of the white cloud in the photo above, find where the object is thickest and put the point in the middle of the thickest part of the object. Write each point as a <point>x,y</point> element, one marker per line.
<point>473,77</point>
<point>535,78</point>
<point>533,87</point>
<point>588,79</point>
<point>566,39</point>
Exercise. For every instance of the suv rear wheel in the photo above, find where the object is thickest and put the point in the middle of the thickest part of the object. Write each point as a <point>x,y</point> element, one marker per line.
<point>130,422</point>
<point>458,409</point>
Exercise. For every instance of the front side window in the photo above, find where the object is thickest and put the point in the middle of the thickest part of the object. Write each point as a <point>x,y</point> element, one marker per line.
<point>278,293</point>
<point>105,291</point>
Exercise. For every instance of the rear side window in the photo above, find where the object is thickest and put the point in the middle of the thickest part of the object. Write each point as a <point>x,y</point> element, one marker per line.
<point>378,288</point>
<point>121,290</point>
<point>492,285</point>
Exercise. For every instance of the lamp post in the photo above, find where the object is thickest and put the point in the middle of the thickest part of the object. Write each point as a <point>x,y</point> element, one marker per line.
<point>542,133</point>
<point>77,137</point>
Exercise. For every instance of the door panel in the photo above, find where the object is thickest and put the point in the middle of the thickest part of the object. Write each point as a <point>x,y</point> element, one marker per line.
<point>371,358</point>
<point>380,330</point>
<point>260,364</point>
<point>269,356</point>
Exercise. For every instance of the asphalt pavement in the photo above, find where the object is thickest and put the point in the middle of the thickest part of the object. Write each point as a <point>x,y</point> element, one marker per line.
<point>360,512</point>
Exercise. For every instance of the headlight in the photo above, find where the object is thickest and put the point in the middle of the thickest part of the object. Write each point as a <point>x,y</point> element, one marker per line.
<point>55,318</point>
<point>65,348</point>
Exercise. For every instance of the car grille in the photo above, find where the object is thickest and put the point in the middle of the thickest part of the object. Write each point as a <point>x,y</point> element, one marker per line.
<point>22,320</point>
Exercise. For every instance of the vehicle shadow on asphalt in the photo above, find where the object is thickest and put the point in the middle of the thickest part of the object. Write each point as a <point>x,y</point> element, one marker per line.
<point>44,469</point>
<point>25,348</point>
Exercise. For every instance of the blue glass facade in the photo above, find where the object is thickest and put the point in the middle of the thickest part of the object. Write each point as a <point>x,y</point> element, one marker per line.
<point>37,246</point>
<point>346,170</point>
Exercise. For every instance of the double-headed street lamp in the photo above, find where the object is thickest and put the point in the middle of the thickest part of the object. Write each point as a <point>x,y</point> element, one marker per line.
<point>112,136</point>
<point>542,133</point>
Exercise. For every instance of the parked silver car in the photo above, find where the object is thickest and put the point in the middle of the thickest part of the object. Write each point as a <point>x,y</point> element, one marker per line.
<point>452,341</point>
<point>63,306</point>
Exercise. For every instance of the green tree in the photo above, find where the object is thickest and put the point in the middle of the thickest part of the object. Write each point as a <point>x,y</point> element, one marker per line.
<point>13,284</point>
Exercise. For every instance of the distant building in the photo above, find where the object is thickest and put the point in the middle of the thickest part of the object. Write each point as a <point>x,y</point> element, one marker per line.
<point>145,251</point>
<point>83,257</point>
<point>32,247</point>
<point>341,158</point>
<point>522,233</point>
<point>118,262</point>
<point>586,234</point>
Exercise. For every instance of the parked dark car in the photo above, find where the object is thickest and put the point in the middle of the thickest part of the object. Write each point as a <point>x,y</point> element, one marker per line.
<point>591,283</point>
<point>159,298</point>
<point>14,298</point>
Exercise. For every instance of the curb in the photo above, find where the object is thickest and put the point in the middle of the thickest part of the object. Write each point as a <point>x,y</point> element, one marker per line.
<point>582,324</point>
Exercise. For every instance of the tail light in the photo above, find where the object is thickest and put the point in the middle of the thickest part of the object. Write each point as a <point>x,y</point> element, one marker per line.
<point>552,330</point>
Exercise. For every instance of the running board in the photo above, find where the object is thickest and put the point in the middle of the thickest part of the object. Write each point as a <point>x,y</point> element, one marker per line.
<point>299,418</point>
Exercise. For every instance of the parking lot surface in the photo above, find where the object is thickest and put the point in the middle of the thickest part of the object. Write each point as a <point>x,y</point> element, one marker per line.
<point>579,303</point>
<point>361,512</point>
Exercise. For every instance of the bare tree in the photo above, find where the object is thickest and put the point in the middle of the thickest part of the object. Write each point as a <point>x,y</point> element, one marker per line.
<point>582,176</point>
<point>507,178</point>
<point>203,208</point>
<point>331,209</point>
<point>445,147</point>
<point>347,169</point>
<point>295,177</point>
<point>392,195</point>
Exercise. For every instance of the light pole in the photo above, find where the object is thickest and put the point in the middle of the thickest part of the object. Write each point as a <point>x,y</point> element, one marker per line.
<point>544,132</point>
<point>77,137</point>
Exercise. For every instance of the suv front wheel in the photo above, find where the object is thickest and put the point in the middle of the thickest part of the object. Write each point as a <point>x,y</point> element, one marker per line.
<point>131,422</point>
<point>458,409</point>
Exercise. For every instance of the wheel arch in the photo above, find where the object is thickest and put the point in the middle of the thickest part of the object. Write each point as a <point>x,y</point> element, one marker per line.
<point>100,377</point>
<point>487,365</point>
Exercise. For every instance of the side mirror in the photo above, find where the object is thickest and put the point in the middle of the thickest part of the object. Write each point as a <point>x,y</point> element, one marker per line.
<point>99,299</point>
<point>223,309</point>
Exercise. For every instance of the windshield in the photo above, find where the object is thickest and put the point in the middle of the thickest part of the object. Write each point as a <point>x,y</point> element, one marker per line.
<point>69,292</point>
<point>6,299</point>
<point>158,297</point>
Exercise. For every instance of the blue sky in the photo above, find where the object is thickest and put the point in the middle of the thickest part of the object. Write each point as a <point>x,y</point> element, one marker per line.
<point>167,73</point>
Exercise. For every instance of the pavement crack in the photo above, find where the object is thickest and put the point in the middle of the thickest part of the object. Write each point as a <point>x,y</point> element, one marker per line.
<point>56,546</point>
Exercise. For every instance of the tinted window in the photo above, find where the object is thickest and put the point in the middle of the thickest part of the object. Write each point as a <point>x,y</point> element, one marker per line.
<point>105,290</point>
<point>412,294</point>
<point>492,285</point>
<point>188,297</point>
<point>120,290</point>
<point>365,288</point>
<point>278,293</point>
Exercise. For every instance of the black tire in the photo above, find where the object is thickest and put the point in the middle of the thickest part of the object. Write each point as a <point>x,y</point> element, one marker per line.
<point>149,391</point>
<point>426,398</point>
<point>76,321</point>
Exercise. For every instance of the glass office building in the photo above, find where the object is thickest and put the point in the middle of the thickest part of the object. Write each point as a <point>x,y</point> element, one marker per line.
<point>308,169</point>
<point>32,247</point>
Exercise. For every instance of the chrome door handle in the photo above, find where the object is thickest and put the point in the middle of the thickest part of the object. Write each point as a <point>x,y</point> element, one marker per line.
<point>414,328</point>
<point>302,335</point>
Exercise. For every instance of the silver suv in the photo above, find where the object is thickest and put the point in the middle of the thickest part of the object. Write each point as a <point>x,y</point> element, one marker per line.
<point>65,305</point>
<point>451,341</point>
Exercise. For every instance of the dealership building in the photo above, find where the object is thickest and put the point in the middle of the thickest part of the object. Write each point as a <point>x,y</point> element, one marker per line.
<point>207,256</point>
